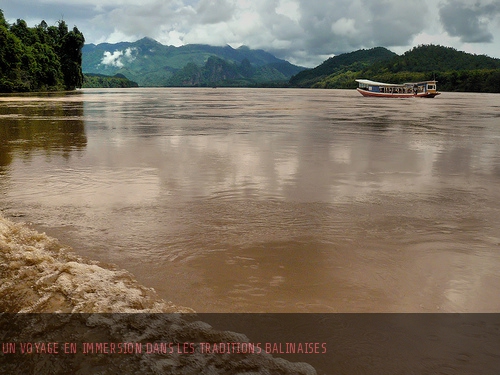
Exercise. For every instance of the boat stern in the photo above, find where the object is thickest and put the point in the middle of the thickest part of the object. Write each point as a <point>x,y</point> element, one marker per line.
<point>431,89</point>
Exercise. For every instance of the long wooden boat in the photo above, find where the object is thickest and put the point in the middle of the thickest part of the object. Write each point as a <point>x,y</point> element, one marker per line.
<point>425,89</point>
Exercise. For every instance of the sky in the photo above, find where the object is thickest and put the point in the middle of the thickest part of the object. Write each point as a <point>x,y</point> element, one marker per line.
<point>304,32</point>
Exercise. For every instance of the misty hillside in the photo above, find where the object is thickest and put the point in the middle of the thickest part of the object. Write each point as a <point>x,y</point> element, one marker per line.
<point>150,63</point>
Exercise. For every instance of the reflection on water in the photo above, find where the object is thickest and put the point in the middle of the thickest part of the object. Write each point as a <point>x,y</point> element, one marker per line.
<point>268,200</point>
<point>29,124</point>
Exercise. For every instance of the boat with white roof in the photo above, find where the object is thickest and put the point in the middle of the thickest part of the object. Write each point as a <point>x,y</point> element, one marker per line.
<point>424,89</point>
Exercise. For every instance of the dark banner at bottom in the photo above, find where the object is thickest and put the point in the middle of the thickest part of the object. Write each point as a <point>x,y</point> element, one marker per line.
<point>250,344</point>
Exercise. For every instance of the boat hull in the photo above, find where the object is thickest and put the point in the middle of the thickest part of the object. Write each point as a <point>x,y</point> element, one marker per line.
<point>397,95</point>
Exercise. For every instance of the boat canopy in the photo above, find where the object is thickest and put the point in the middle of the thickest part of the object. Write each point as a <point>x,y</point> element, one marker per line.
<point>381,84</point>
<point>425,89</point>
<point>421,83</point>
<point>373,83</point>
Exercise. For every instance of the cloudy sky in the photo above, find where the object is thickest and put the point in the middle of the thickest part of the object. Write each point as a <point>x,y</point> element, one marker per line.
<point>305,32</point>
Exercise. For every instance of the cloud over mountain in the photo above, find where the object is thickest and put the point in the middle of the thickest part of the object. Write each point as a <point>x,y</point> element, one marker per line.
<point>302,31</point>
<point>117,57</point>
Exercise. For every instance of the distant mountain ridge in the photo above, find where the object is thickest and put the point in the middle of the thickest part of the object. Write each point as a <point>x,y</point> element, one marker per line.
<point>150,63</point>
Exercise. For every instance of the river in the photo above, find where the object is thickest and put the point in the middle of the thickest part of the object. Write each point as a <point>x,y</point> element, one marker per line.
<point>267,200</point>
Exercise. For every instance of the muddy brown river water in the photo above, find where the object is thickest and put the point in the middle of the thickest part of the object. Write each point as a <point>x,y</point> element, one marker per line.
<point>267,200</point>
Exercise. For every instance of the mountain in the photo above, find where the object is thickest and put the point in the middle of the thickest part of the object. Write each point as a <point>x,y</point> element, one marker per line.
<point>150,63</point>
<point>454,70</point>
<point>352,61</point>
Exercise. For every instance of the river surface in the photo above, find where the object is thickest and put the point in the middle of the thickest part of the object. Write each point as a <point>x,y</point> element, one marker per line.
<point>267,200</point>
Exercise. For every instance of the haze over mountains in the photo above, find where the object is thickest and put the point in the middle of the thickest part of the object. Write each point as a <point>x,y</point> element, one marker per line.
<point>150,63</point>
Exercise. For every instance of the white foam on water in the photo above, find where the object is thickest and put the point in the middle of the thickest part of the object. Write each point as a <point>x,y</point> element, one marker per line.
<point>37,274</point>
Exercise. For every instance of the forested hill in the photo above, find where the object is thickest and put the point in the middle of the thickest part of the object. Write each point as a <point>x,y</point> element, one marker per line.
<point>454,70</point>
<point>432,58</point>
<point>353,61</point>
<point>40,58</point>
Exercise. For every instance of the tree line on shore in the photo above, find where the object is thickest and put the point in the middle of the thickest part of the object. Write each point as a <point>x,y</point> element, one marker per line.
<point>49,58</point>
<point>454,70</point>
<point>40,58</point>
<point>91,80</point>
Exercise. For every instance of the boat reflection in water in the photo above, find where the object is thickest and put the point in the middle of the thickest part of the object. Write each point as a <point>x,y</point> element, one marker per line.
<point>425,89</point>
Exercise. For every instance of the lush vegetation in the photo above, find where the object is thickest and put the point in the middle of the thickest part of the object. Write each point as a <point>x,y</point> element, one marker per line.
<point>454,70</point>
<point>150,63</point>
<point>40,58</point>
<point>220,72</point>
<point>50,58</point>
<point>91,80</point>
<point>348,62</point>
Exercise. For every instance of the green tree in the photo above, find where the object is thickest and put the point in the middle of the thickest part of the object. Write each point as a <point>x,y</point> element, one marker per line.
<point>2,20</point>
<point>23,32</point>
<point>71,58</point>
<point>39,58</point>
<point>11,52</point>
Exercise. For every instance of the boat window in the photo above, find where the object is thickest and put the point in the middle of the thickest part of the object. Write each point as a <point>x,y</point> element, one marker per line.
<point>431,87</point>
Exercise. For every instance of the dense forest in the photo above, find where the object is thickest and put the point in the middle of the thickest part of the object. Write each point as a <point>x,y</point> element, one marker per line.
<point>454,70</point>
<point>40,58</point>
<point>91,80</point>
<point>346,62</point>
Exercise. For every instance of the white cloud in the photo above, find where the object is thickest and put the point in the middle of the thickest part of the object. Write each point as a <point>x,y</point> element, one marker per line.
<point>129,54</point>
<point>171,38</point>
<point>290,9</point>
<point>116,58</point>
<point>302,31</point>
<point>112,59</point>
<point>344,26</point>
